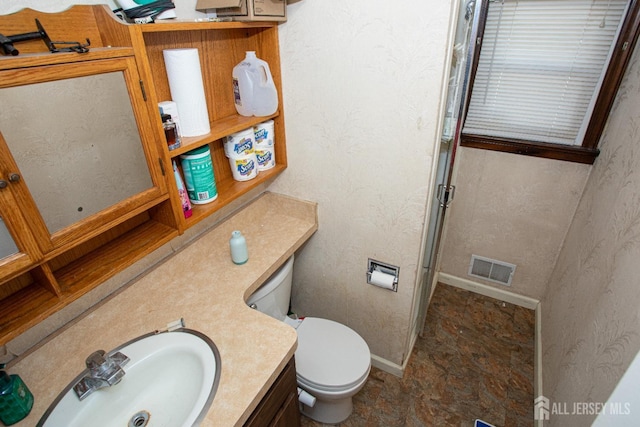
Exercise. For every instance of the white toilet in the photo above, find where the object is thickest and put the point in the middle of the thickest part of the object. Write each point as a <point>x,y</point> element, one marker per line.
<point>332,361</point>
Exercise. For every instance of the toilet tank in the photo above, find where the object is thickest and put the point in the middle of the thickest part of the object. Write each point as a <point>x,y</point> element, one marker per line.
<point>273,296</point>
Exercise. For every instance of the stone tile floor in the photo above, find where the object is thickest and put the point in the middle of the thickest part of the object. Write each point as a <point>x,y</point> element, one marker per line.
<point>474,361</point>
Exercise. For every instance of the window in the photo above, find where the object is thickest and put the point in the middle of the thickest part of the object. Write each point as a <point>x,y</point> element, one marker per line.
<point>547,74</point>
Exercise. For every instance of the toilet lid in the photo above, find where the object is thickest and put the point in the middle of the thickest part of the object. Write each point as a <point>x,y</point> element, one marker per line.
<point>330,356</point>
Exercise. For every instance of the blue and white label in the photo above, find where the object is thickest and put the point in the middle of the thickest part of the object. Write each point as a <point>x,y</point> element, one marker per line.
<point>245,167</point>
<point>244,146</point>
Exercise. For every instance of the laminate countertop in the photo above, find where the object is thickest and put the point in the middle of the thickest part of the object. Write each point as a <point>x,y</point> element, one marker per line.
<point>202,285</point>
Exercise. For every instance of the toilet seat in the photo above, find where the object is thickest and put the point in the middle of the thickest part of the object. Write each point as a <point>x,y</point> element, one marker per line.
<point>330,357</point>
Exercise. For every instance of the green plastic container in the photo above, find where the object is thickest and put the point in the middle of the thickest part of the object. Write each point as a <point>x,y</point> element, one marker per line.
<point>199,178</point>
<point>16,400</point>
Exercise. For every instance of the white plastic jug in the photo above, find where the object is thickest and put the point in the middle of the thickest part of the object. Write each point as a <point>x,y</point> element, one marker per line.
<point>253,88</point>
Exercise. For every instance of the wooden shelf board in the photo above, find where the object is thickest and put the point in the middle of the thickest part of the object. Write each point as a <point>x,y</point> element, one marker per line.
<point>91,270</point>
<point>24,309</point>
<point>32,304</point>
<point>219,129</point>
<point>193,25</point>
<point>27,60</point>
<point>228,191</point>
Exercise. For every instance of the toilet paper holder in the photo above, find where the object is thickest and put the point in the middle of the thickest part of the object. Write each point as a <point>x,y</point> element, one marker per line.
<point>384,268</point>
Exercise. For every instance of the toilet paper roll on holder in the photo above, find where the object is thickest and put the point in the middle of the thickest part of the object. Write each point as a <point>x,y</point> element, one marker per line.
<point>384,268</point>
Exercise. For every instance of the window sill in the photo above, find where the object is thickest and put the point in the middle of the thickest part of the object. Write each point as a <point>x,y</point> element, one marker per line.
<point>568,153</point>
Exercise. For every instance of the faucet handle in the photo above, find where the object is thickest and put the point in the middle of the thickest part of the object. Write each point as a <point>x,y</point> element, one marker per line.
<point>104,371</point>
<point>95,360</point>
<point>106,367</point>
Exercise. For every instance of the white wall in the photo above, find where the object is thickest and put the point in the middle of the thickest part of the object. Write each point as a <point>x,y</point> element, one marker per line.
<point>362,86</point>
<point>511,208</point>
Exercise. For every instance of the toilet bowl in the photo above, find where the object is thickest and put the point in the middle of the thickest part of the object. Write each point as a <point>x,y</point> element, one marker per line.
<point>332,360</point>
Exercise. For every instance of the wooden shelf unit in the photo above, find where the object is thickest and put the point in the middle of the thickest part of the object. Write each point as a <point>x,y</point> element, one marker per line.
<point>53,279</point>
<point>221,46</point>
<point>51,286</point>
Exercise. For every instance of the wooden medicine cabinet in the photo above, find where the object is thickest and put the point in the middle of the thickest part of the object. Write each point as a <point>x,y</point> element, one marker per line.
<point>86,180</point>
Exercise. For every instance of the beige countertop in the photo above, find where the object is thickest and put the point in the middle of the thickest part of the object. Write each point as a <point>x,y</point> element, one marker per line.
<point>203,286</point>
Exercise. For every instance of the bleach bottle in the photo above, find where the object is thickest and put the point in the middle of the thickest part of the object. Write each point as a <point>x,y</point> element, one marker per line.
<point>253,88</point>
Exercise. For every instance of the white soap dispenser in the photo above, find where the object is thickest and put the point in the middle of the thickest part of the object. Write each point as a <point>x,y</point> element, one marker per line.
<point>238,246</point>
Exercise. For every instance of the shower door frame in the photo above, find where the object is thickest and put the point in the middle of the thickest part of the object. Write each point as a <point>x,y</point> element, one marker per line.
<point>444,179</point>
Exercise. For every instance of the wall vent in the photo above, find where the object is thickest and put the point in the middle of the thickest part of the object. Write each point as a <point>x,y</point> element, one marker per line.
<point>492,270</point>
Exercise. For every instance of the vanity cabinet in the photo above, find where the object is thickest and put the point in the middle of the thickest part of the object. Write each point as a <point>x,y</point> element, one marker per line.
<point>279,408</point>
<point>60,241</point>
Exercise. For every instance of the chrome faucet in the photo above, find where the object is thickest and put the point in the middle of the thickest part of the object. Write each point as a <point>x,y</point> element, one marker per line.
<point>104,371</point>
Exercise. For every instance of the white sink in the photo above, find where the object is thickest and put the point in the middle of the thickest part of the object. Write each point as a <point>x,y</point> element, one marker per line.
<point>170,380</point>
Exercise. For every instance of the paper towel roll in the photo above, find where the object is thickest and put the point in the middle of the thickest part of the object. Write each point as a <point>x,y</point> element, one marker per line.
<point>381,279</point>
<point>187,90</point>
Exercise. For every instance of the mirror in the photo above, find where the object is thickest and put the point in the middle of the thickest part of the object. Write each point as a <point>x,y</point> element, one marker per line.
<point>7,244</point>
<point>76,143</point>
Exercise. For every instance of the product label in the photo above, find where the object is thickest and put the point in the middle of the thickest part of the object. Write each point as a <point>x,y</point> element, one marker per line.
<point>261,135</point>
<point>199,179</point>
<point>264,157</point>
<point>244,146</point>
<point>236,92</point>
<point>245,167</point>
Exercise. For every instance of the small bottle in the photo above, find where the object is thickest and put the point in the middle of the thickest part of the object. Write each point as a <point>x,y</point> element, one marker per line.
<point>16,400</point>
<point>238,245</point>
<point>170,132</point>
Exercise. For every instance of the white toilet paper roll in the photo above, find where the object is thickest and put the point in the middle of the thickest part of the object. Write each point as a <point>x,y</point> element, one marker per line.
<point>187,90</point>
<point>381,279</point>
<point>244,168</point>
<point>239,144</point>
<point>266,157</point>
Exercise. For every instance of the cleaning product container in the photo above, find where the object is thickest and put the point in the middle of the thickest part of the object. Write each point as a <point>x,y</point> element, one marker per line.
<point>182,191</point>
<point>200,181</point>
<point>254,91</point>
<point>264,134</point>
<point>244,168</point>
<point>239,143</point>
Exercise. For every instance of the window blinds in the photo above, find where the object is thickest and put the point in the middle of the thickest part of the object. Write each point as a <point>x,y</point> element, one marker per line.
<point>540,68</point>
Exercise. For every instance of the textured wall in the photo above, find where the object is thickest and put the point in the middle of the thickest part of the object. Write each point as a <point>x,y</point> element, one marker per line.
<point>512,208</point>
<point>590,323</point>
<point>362,86</point>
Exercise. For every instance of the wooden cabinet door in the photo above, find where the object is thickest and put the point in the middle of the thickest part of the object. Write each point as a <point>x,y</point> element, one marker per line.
<point>79,137</point>
<point>280,405</point>
<point>289,414</point>
<point>18,248</point>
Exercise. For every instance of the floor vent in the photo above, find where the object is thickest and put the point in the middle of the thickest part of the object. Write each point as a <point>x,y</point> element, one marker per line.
<point>492,270</point>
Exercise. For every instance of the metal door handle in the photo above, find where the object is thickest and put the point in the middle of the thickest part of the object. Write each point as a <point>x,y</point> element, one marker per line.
<point>445,194</point>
